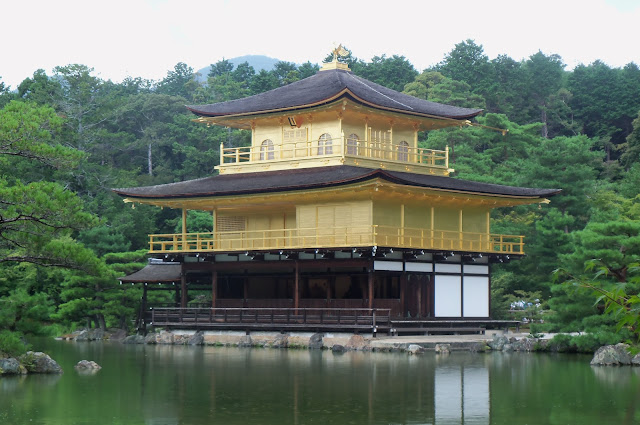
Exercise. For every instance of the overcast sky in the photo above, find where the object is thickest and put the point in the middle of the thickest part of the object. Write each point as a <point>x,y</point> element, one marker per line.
<point>146,38</point>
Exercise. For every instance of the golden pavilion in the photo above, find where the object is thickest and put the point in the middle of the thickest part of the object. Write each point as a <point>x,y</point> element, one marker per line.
<point>333,217</point>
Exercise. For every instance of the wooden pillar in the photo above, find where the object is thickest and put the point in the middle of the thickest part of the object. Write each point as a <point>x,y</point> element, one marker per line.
<point>488,244</point>
<point>296,288</point>
<point>329,289</point>
<point>401,224</point>
<point>432,226</point>
<point>183,290</point>
<point>184,229</point>
<point>460,227</point>
<point>419,297</point>
<point>403,290</point>
<point>214,288</point>
<point>371,279</point>
<point>245,289</point>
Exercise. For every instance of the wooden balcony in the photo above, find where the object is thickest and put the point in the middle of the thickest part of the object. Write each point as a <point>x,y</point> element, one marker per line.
<point>336,151</point>
<point>342,237</point>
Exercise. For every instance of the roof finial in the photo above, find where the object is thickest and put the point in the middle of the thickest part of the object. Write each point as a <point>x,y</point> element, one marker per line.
<point>334,64</point>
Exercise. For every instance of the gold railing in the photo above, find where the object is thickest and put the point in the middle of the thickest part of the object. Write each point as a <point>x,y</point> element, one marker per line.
<point>337,237</point>
<point>340,147</point>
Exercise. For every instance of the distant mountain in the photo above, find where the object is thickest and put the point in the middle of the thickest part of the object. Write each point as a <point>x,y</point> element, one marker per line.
<point>258,62</point>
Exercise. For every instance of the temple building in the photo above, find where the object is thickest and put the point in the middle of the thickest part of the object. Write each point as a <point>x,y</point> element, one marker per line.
<point>332,214</point>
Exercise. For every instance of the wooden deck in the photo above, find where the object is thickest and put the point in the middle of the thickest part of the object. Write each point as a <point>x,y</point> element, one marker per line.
<point>357,320</point>
<point>431,326</point>
<point>274,319</point>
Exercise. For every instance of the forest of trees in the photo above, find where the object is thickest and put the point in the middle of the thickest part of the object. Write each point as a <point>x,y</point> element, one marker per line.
<point>68,138</point>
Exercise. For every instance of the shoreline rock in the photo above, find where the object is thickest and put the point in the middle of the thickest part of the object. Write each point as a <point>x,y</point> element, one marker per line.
<point>613,355</point>
<point>28,363</point>
<point>342,342</point>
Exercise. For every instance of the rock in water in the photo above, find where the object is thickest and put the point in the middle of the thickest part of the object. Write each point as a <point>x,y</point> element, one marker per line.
<point>196,339</point>
<point>443,349</point>
<point>498,342</point>
<point>612,355</point>
<point>337,348</point>
<point>315,342</point>
<point>415,349</point>
<point>38,362</point>
<point>11,366</point>
<point>87,365</point>
<point>280,341</point>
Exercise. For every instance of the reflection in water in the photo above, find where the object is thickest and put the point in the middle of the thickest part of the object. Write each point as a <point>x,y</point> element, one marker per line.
<point>164,385</point>
<point>461,394</point>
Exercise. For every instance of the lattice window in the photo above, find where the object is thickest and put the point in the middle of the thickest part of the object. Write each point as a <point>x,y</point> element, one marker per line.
<point>266,150</point>
<point>403,151</point>
<point>231,224</point>
<point>324,144</point>
<point>352,144</point>
<point>295,135</point>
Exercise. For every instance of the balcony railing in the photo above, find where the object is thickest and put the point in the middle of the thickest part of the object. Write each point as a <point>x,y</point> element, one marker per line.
<point>337,147</point>
<point>337,237</point>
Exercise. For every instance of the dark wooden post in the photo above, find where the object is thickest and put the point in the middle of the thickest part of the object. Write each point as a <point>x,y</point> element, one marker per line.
<point>183,290</point>
<point>296,288</point>
<point>330,289</point>
<point>214,288</point>
<point>371,276</point>
<point>245,289</point>
<point>419,297</point>
<point>403,290</point>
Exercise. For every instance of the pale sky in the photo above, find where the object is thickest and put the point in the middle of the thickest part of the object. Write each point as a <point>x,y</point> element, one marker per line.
<point>146,38</point>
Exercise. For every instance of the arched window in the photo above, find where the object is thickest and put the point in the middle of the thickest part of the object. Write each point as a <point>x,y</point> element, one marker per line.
<point>403,151</point>
<point>324,144</point>
<point>352,144</point>
<point>266,150</point>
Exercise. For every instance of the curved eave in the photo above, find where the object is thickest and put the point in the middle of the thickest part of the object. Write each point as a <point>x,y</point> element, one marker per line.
<point>383,176</point>
<point>454,120</point>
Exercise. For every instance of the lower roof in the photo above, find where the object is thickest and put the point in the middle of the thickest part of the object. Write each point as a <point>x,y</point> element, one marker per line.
<point>155,273</point>
<point>316,178</point>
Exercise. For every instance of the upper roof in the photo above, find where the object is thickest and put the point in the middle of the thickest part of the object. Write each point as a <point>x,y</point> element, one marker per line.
<point>327,86</point>
<point>317,178</point>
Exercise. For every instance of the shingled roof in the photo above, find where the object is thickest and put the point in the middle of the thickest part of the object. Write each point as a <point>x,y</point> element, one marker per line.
<point>155,273</point>
<point>325,87</point>
<point>317,178</point>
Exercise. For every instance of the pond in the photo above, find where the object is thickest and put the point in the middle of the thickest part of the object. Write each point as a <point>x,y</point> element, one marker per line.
<point>165,385</point>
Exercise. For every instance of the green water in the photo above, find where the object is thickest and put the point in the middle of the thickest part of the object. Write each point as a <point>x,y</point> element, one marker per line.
<point>210,385</point>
